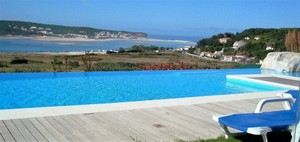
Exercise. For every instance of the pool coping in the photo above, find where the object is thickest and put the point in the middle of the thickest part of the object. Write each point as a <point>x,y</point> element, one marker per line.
<point>7,114</point>
<point>249,78</point>
<point>93,108</point>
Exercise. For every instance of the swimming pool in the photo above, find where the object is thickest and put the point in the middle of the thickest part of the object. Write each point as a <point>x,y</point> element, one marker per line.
<point>27,90</point>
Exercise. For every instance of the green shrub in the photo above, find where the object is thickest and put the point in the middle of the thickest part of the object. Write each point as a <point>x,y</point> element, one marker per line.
<point>36,62</point>
<point>18,60</point>
<point>29,69</point>
<point>2,64</point>
<point>73,63</point>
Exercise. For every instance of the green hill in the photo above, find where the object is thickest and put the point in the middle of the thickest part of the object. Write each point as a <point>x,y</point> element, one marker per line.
<point>255,42</point>
<point>20,28</point>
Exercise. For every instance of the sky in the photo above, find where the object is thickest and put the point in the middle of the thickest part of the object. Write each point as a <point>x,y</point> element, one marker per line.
<point>201,18</point>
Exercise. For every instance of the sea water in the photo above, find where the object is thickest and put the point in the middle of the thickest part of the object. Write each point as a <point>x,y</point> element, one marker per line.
<point>28,45</point>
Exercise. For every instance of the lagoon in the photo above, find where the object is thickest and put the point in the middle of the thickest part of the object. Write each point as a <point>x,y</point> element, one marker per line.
<point>29,45</point>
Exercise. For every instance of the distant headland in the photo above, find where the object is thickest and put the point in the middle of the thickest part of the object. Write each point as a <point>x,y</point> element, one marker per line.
<point>57,32</point>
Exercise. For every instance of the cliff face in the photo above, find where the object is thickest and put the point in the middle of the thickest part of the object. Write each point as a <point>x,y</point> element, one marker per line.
<point>282,61</point>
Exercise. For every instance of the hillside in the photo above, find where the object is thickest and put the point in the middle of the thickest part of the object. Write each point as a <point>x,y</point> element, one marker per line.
<point>20,28</point>
<point>251,42</point>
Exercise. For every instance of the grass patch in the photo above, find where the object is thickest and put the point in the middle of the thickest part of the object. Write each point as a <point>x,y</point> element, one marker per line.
<point>2,64</point>
<point>272,137</point>
<point>16,62</point>
<point>248,66</point>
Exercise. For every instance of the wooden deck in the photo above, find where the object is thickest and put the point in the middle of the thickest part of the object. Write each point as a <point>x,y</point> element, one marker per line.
<point>155,124</point>
<point>279,80</point>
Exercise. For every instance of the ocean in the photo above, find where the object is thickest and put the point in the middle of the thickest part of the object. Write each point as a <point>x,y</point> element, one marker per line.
<point>28,45</point>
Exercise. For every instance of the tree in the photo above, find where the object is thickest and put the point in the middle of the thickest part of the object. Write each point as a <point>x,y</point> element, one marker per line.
<point>121,50</point>
<point>292,41</point>
<point>88,61</point>
<point>230,35</point>
<point>56,64</point>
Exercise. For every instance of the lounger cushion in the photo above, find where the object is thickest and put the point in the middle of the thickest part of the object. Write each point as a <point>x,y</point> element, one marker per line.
<point>276,120</point>
<point>294,93</point>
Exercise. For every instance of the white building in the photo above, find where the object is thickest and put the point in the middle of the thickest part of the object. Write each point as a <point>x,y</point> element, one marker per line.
<point>208,54</point>
<point>186,47</point>
<point>269,48</point>
<point>228,58</point>
<point>224,40</point>
<point>236,45</point>
<point>33,27</point>
<point>219,53</point>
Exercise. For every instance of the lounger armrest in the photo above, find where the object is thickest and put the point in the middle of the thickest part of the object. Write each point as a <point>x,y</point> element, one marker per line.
<point>285,95</point>
<point>261,103</point>
<point>216,117</point>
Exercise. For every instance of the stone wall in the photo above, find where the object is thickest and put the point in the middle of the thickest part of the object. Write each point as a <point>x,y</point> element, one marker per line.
<point>282,61</point>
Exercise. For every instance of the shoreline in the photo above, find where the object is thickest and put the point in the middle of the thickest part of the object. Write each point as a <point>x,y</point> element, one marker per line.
<point>59,39</point>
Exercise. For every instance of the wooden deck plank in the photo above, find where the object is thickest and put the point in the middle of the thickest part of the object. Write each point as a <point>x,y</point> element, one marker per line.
<point>110,127</point>
<point>128,124</point>
<point>24,131</point>
<point>100,126</point>
<point>47,135</point>
<point>150,125</point>
<point>5,133</point>
<point>67,134</point>
<point>58,136</point>
<point>196,118</point>
<point>88,127</point>
<point>1,138</point>
<point>188,116</point>
<point>34,132</point>
<point>154,125</point>
<point>14,130</point>
<point>279,80</point>
<point>181,130</point>
<point>159,127</point>
<point>72,129</point>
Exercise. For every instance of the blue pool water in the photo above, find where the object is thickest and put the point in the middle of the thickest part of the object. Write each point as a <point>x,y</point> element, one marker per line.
<point>26,90</point>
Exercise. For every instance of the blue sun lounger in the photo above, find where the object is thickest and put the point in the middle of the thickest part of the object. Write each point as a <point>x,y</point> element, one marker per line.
<point>261,123</point>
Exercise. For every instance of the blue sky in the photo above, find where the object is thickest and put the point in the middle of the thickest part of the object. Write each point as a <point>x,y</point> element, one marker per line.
<point>165,17</point>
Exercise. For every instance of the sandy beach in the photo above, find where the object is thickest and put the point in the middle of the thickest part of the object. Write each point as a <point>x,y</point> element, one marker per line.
<point>110,39</point>
<point>72,40</point>
<point>102,52</point>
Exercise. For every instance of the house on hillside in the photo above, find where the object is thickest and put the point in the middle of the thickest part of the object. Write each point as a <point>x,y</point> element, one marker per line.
<point>187,47</point>
<point>219,53</point>
<point>257,38</point>
<point>236,45</point>
<point>224,39</point>
<point>208,54</point>
<point>269,48</point>
<point>228,58</point>
<point>240,58</point>
<point>250,59</point>
<point>247,38</point>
